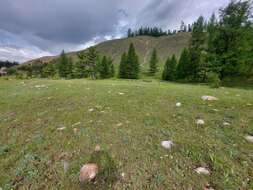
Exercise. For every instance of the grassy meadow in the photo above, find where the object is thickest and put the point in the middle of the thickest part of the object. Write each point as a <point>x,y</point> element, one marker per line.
<point>50,128</point>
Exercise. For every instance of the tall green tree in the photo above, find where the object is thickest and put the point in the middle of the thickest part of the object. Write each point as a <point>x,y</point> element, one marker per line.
<point>153,63</point>
<point>169,71</point>
<point>106,68</point>
<point>49,70</point>
<point>64,66</point>
<point>122,66</point>
<point>129,65</point>
<point>233,44</point>
<point>183,65</point>
<point>91,62</point>
<point>80,68</point>
<point>197,46</point>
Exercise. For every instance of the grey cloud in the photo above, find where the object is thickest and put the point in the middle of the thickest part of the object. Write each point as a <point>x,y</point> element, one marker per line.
<point>47,26</point>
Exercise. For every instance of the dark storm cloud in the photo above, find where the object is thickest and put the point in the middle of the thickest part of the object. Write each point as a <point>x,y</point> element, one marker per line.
<point>32,28</point>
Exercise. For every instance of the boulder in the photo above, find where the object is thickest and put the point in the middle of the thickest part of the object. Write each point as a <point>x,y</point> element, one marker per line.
<point>88,172</point>
<point>209,98</point>
<point>167,144</point>
<point>202,170</point>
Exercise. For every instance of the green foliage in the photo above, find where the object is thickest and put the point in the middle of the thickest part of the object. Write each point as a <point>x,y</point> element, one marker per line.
<point>183,64</point>
<point>153,63</point>
<point>213,80</point>
<point>49,71</point>
<point>91,62</point>
<point>106,68</point>
<point>169,72</point>
<point>129,65</point>
<point>65,66</point>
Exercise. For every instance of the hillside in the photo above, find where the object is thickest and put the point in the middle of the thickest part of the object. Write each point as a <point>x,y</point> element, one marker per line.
<point>165,45</point>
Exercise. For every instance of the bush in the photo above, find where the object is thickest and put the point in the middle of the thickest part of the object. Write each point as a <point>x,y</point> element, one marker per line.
<point>213,80</point>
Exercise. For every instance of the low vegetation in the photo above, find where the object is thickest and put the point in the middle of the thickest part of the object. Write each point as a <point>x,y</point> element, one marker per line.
<point>50,128</point>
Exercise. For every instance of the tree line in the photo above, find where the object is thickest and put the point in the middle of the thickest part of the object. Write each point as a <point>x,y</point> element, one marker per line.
<point>157,32</point>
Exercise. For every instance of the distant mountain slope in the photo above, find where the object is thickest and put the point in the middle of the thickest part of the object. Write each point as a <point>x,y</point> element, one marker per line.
<point>165,45</point>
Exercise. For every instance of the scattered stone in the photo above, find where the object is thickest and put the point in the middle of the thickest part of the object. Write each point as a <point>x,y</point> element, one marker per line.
<point>202,170</point>
<point>121,93</point>
<point>61,128</point>
<point>65,166</point>
<point>200,122</point>
<point>123,175</point>
<point>226,124</point>
<point>40,86</point>
<point>248,104</point>
<point>215,110</point>
<point>75,124</point>
<point>91,110</point>
<point>75,130</point>
<point>88,172</point>
<point>97,148</point>
<point>209,98</point>
<point>119,124</point>
<point>167,144</point>
<point>178,104</point>
<point>249,138</point>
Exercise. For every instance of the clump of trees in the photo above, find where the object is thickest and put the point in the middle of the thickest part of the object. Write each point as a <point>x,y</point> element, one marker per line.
<point>218,48</point>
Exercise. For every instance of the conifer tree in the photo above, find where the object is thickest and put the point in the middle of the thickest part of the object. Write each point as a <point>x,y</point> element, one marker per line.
<point>153,63</point>
<point>48,70</point>
<point>64,66</point>
<point>92,62</point>
<point>169,72</point>
<point>105,68</point>
<point>132,63</point>
<point>122,66</point>
<point>183,63</point>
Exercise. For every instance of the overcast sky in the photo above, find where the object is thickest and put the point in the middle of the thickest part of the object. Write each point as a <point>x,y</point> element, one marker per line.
<point>35,28</point>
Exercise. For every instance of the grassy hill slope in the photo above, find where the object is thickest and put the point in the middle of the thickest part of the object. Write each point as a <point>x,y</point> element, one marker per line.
<point>165,45</point>
<point>45,123</point>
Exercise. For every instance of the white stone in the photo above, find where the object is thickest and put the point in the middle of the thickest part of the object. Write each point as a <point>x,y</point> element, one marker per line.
<point>202,170</point>
<point>167,144</point>
<point>200,122</point>
<point>178,104</point>
<point>91,110</point>
<point>249,138</point>
<point>61,128</point>
<point>123,174</point>
<point>121,93</point>
<point>88,172</point>
<point>209,98</point>
<point>226,124</point>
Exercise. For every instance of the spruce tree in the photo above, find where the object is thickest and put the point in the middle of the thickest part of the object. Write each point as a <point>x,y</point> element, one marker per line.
<point>91,62</point>
<point>153,63</point>
<point>122,66</point>
<point>64,66</point>
<point>183,65</point>
<point>105,68</point>
<point>132,63</point>
<point>169,72</point>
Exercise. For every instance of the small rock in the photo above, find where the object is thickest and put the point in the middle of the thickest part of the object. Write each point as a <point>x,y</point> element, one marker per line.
<point>75,130</point>
<point>61,128</point>
<point>123,175</point>
<point>209,98</point>
<point>226,124</point>
<point>75,124</point>
<point>88,172</point>
<point>91,110</point>
<point>167,144</point>
<point>208,187</point>
<point>97,148</point>
<point>249,138</point>
<point>202,170</point>
<point>121,93</point>
<point>200,122</point>
<point>178,104</point>
<point>65,166</point>
<point>119,124</point>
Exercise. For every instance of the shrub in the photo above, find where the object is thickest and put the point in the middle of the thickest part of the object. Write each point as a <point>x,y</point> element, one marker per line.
<point>213,80</point>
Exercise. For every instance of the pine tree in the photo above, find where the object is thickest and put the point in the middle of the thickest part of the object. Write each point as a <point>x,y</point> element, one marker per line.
<point>169,72</point>
<point>64,66</point>
<point>153,63</point>
<point>105,68</point>
<point>183,64</point>
<point>91,62</point>
<point>48,70</point>
<point>197,46</point>
<point>122,66</point>
<point>132,63</point>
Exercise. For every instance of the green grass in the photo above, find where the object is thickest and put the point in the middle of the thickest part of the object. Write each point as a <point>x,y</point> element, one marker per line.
<point>129,128</point>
